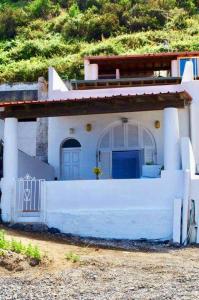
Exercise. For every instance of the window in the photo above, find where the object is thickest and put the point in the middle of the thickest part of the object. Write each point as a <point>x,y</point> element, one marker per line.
<point>71,143</point>
<point>182,63</point>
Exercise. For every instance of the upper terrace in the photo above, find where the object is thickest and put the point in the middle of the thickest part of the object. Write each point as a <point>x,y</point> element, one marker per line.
<point>135,70</point>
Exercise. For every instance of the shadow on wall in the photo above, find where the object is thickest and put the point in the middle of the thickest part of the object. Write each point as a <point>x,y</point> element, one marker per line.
<point>34,167</point>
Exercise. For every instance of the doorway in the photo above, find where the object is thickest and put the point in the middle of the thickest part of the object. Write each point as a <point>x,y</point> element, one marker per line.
<point>70,160</point>
<point>127,164</point>
<point>123,149</point>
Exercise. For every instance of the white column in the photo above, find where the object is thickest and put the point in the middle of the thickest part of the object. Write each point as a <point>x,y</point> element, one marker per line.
<point>90,70</point>
<point>86,69</point>
<point>171,139</point>
<point>10,168</point>
<point>174,68</point>
<point>10,154</point>
<point>117,74</point>
<point>94,71</point>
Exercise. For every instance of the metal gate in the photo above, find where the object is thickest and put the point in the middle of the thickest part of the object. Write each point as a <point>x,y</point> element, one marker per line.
<point>29,196</point>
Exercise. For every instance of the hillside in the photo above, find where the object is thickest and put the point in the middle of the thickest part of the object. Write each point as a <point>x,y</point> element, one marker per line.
<point>36,34</point>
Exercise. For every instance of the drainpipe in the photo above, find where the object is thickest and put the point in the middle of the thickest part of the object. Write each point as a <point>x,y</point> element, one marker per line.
<point>185,206</point>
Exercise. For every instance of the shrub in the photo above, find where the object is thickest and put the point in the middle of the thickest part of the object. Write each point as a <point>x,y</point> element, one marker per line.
<point>189,5</point>
<point>18,247</point>
<point>178,19</point>
<point>10,19</point>
<point>72,257</point>
<point>91,26</point>
<point>33,252</point>
<point>3,242</point>
<point>74,11</point>
<point>105,25</point>
<point>142,17</point>
<point>43,9</point>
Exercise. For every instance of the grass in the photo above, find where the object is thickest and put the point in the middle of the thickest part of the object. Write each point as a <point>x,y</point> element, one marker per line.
<point>17,247</point>
<point>72,257</point>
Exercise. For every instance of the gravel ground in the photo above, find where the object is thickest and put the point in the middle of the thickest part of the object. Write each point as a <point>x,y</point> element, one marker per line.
<point>162,273</point>
<point>121,278</point>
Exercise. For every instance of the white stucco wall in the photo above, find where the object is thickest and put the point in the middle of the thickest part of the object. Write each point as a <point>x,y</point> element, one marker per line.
<point>129,208</point>
<point>26,136</point>
<point>34,167</point>
<point>18,86</point>
<point>59,131</point>
<point>192,88</point>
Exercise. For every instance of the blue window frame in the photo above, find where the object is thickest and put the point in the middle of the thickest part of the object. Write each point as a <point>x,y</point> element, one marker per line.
<point>195,65</point>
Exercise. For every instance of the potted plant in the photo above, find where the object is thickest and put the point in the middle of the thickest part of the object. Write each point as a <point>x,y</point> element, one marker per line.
<point>97,171</point>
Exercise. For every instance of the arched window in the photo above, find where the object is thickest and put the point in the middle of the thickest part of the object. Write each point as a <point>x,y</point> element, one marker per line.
<point>71,143</point>
<point>70,159</point>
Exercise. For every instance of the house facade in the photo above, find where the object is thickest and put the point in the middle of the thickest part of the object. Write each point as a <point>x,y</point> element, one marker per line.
<point>133,120</point>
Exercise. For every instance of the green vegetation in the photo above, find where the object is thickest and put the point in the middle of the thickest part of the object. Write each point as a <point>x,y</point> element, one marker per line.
<point>17,247</point>
<point>70,256</point>
<point>38,33</point>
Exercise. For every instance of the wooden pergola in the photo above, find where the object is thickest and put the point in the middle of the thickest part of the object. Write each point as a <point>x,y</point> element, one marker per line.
<point>96,105</point>
<point>139,62</point>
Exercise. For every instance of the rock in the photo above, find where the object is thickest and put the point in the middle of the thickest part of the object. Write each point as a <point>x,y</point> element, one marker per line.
<point>39,227</point>
<point>17,226</point>
<point>53,230</point>
<point>13,262</point>
<point>34,262</point>
<point>28,227</point>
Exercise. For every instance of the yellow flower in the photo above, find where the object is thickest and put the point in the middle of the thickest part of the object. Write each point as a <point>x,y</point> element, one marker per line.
<point>97,171</point>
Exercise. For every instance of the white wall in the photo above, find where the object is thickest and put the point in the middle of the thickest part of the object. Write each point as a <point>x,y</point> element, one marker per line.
<point>27,137</point>
<point>192,88</point>
<point>59,93</point>
<point>34,167</point>
<point>129,208</point>
<point>59,130</point>
<point>18,86</point>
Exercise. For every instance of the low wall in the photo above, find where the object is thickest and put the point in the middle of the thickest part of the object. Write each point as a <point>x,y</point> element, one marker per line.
<point>132,208</point>
<point>34,167</point>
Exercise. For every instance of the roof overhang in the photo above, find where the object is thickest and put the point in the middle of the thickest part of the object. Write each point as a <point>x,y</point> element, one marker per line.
<point>98,105</point>
<point>135,57</point>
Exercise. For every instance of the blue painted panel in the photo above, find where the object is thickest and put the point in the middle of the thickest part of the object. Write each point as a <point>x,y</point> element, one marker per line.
<point>183,62</point>
<point>126,164</point>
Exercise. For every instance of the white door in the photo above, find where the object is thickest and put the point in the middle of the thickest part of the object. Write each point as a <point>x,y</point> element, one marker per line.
<point>70,164</point>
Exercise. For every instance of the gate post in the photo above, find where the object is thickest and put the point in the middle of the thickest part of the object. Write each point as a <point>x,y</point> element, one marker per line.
<point>43,200</point>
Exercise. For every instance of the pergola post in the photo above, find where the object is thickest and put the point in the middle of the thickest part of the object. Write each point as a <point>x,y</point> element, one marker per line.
<point>171,139</point>
<point>10,168</point>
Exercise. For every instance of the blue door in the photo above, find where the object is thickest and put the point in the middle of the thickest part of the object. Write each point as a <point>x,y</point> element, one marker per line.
<point>126,164</point>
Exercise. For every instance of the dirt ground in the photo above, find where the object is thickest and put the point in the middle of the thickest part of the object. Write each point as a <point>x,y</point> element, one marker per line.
<point>167,273</point>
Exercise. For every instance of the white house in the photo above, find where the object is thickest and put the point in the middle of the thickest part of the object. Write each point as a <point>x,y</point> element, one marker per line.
<point>135,119</point>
